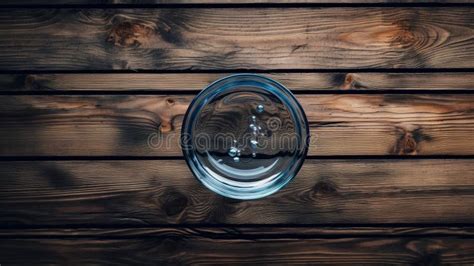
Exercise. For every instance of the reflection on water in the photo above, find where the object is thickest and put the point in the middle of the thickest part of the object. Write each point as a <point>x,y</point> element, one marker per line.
<point>245,135</point>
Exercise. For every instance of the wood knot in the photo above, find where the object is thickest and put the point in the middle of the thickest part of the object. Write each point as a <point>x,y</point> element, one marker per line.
<point>325,187</point>
<point>403,38</point>
<point>348,82</point>
<point>406,144</point>
<point>166,127</point>
<point>170,101</point>
<point>408,141</point>
<point>130,34</point>
<point>174,203</point>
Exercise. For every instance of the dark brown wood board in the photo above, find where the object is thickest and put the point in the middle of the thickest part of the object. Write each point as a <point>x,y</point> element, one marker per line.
<point>339,82</point>
<point>214,246</point>
<point>159,192</point>
<point>246,39</point>
<point>89,88</point>
<point>63,3</point>
<point>149,125</point>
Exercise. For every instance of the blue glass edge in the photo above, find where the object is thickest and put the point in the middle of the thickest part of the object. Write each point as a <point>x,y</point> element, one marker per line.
<point>264,83</point>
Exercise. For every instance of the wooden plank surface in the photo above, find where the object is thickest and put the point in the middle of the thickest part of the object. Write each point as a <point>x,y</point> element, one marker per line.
<point>149,125</point>
<point>197,2</point>
<point>232,38</point>
<point>69,92</point>
<point>227,246</point>
<point>158,192</point>
<point>396,251</point>
<point>240,232</point>
<point>194,82</point>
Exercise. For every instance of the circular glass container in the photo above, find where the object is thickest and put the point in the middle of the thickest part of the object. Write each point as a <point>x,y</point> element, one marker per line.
<point>245,136</point>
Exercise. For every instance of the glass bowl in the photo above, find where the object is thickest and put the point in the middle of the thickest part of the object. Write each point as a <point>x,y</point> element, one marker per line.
<point>245,136</point>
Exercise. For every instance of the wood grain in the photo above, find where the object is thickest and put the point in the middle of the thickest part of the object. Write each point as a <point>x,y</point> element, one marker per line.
<point>200,251</point>
<point>158,2</point>
<point>233,38</point>
<point>240,232</point>
<point>194,82</point>
<point>339,59</point>
<point>230,246</point>
<point>157,192</point>
<point>139,125</point>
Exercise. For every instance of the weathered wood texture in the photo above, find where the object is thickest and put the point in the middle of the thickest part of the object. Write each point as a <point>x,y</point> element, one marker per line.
<point>92,193</point>
<point>141,2</point>
<point>149,125</point>
<point>240,232</point>
<point>232,38</point>
<point>144,211</point>
<point>230,247</point>
<point>194,82</point>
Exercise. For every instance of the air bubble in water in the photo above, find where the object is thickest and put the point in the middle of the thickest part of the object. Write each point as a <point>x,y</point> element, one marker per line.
<point>260,108</point>
<point>233,151</point>
<point>253,143</point>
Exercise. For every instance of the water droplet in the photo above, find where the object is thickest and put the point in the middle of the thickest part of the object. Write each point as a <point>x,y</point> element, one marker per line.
<point>233,151</point>
<point>260,108</point>
<point>254,154</point>
<point>236,159</point>
<point>253,143</point>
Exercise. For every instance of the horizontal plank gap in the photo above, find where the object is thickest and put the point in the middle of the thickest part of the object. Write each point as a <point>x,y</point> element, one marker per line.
<point>180,158</point>
<point>190,92</point>
<point>6,229</point>
<point>236,5</point>
<point>242,70</point>
<point>239,232</point>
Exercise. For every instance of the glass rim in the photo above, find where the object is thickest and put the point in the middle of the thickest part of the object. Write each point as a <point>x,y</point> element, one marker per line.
<point>223,85</point>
